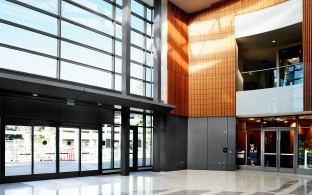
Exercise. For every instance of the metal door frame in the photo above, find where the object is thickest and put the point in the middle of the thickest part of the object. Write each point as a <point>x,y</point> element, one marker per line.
<point>278,131</point>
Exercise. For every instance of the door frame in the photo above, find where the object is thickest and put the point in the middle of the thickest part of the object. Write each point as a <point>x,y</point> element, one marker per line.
<point>135,130</point>
<point>53,123</point>
<point>278,131</point>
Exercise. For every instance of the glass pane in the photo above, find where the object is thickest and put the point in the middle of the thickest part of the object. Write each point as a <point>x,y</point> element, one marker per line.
<point>305,148</point>
<point>148,121</point>
<point>18,37</point>
<point>149,14</point>
<point>107,147</point>
<point>86,56</point>
<point>148,44</point>
<point>117,146</point>
<point>140,146</point>
<point>86,18</point>
<point>137,55</point>
<point>44,149</point>
<point>136,119</point>
<point>149,74</point>
<point>136,87</point>
<point>15,13</point>
<point>253,147</point>
<point>99,6</point>
<point>89,149</point>
<point>137,23</point>
<point>288,121</point>
<point>118,82</point>
<point>148,90</point>
<point>118,65</point>
<point>270,148</point>
<point>118,48</point>
<point>241,123</point>
<point>137,39</point>
<point>136,71</point>
<point>148,29</point>
<point>117,117</point>
<point>137,8</point>
<point>241,148</point>
<point>118,32</point>
<point>86,37</point>
<point>118,15</point>
<point>119,2</point>
<point>17,150</point>
<point>50,5</point>
<point>287,149</point>
<point>86,75</point>
<point>26,62</point>
<point>69,149</point>
<point>148,147</point>
<point>253,123</point>
<point>305,121</point>
<point>149,59</point>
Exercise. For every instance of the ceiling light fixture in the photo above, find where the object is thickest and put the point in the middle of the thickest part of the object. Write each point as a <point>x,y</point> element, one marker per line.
<point>99,104</point>
<point>273,41</point>
<point>35,95</point>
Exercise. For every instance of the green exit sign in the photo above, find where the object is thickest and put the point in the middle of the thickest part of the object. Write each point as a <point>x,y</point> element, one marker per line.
<point>70,102</point>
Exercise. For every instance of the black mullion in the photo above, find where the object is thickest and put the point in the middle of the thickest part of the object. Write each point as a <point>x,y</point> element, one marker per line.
<point>27,51</point>
<point>27,28</point>
<point>144,140</point>
<point>86,27</point>
<point>79,158</point>
<point>141,17</point>
<point>100,146</point>
<point>88,9</point>
<point>32,150</point>
<point>112,146</point>
<point>57,151</point>
<point>140,32</point>
<point>59,42</point>
<point>33,8</point>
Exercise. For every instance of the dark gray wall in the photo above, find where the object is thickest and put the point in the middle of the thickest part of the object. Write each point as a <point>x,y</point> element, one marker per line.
<point>207,139</point>
<point>175,147</point>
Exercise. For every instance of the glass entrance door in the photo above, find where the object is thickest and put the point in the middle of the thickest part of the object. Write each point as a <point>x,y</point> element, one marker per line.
<point>279,150</point>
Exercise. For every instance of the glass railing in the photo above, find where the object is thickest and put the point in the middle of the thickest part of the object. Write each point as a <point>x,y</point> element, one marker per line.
<point>269,78</point>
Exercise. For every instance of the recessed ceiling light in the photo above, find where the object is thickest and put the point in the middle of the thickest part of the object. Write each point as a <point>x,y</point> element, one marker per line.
<point>251,119</point>
<point>273,41</point>
<point>99,104</point>
<point>264,122</point>
<point>35,95</point>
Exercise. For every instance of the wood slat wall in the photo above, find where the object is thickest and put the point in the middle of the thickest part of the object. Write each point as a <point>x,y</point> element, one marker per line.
<point>177,60</point>
<point>212,57</point>
<point>307,54</point>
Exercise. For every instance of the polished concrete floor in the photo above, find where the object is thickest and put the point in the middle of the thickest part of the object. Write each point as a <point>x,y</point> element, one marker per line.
<point>186,182</point>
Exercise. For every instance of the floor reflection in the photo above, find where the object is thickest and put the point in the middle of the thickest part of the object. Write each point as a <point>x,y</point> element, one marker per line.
<point>185,182</point>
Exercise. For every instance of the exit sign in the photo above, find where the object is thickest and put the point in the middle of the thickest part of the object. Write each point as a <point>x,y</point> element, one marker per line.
<point>70,102</point>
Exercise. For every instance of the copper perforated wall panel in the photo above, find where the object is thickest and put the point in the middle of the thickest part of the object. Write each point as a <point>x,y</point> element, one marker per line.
<point>177,60</point>
<point>212,57</point>
<point>307,54</point>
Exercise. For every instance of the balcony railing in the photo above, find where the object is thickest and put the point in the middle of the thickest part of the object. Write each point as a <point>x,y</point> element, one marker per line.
<point>269,78</point>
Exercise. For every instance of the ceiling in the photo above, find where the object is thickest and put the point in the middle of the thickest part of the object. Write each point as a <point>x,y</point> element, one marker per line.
<point>189,6</point>
<point>260,51</point>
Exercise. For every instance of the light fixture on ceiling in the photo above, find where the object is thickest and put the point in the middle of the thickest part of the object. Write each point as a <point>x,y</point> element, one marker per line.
<point>99,104</point>
<point>273,41</point>
<point>35,95</point>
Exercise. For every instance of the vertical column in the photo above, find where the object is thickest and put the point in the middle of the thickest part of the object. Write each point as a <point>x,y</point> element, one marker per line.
<point>277,69</point>
<point>158,141</point>
<point>125,128</point>
<point>126,22</point>
<point>157,51</point>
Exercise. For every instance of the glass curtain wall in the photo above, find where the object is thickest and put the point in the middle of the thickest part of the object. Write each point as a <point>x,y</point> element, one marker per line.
<point>141,66</point>
<point>78,41</point>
